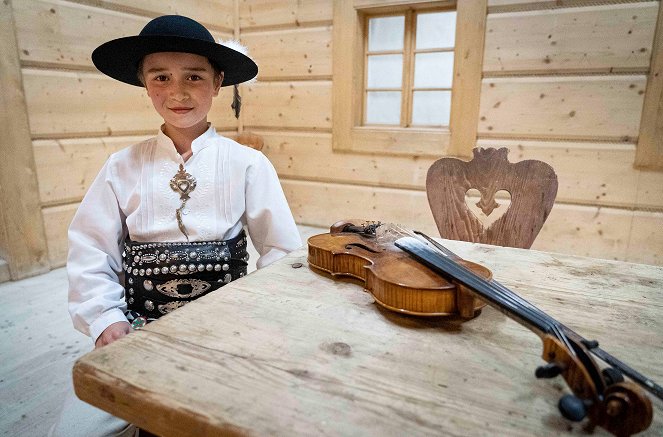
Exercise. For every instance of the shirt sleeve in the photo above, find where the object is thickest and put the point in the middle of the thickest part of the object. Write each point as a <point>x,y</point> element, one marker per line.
<point>270,223</point>
<point>94,263</point>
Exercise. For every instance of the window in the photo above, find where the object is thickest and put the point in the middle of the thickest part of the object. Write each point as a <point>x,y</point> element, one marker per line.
<point>399,83</point>
<point>409,69</point>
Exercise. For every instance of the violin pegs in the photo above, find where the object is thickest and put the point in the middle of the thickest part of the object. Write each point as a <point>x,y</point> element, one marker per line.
<point>612,375</point>
<point>572,407</point>
<point>549,370</point>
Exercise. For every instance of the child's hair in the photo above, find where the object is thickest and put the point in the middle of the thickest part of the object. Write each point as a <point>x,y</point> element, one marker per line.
<point>141,78</point>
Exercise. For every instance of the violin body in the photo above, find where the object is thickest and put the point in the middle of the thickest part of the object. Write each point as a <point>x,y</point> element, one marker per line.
<point>409,276</point>
<point>396,281</point>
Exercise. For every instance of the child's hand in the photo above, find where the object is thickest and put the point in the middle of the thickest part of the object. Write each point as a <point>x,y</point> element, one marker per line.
<point>114,331</point>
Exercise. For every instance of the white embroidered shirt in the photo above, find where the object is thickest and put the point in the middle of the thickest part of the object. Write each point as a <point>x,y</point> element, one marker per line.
<point>236,186</point>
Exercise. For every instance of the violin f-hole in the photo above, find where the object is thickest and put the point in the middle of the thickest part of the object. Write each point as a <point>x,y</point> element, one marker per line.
<point>361,246</point>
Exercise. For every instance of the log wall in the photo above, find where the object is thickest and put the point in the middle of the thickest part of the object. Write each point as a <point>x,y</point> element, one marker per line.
<point>563,82</point>
<point>77,116</point>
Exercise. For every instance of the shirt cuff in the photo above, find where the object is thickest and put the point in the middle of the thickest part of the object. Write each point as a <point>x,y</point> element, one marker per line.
<point>274,254</point>
<point>104,321</point>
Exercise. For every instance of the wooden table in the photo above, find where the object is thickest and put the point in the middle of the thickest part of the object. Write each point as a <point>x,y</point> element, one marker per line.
<point>286,351</point>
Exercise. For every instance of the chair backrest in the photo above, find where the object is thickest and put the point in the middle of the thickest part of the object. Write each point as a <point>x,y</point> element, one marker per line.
<point>250,139</point>
<point>531,184</point>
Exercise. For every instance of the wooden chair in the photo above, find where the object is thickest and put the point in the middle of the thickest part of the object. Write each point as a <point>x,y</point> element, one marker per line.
<point>531,185</point>
<point>250,139</point>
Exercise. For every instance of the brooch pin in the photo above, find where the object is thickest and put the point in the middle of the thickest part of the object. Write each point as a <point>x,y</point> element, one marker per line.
<point>182,183</point>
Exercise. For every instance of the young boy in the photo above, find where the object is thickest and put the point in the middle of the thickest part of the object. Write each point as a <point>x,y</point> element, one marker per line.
<point>166,216</point>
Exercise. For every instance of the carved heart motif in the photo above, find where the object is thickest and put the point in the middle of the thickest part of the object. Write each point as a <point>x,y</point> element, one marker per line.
<point>487,209</point>
<point>532,186</point>
<point>183,186</point>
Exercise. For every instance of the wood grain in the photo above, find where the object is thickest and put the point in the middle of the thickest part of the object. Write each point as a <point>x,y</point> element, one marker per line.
<point>468,63</point>
<point>56,223</point>
<point>586,107</point>
<point>66,168</point>
<point>298,105</point>
<point>592,173</point>
<point>63,34</point>
<point>597,39</point>
<point>292,54</point>
<point>283,13</point>
<point>599,232</point>
<point>650,142</point>
<point>22,242</point>
<point>284,360</point>
<point>106,106</point>
<point>217,14</point>
<point>589,173</point>
<point>532,186</point>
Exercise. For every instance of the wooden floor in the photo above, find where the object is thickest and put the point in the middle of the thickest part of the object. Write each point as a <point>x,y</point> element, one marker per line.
<point>38,346</point>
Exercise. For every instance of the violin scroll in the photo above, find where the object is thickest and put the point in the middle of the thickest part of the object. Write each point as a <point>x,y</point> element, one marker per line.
<point>621,408</point>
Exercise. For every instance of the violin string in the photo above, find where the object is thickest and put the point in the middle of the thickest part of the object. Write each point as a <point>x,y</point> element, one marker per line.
<point>562,330</point>
<point>471,280</point>
<point>526,306</point>
<point>549,324</point>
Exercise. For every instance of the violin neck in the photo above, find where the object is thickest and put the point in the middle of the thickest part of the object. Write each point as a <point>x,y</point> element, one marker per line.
<point>497,295</point>
<point>492,292</point>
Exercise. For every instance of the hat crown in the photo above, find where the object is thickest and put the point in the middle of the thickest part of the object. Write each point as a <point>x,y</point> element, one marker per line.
<point>176,25</point>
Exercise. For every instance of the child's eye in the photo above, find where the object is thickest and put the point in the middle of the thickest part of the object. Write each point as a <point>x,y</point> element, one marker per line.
<point>161,78</point>
<point>195,77</point>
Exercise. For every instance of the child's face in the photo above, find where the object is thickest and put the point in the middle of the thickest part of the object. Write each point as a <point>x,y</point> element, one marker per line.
<point>181,86</point>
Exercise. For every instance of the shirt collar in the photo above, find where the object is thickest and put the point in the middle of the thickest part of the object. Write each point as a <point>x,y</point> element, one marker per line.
<point>196,146</point>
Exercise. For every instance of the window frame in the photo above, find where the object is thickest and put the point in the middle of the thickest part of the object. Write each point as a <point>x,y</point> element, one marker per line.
<point>408,53</point>
<point>348,132</point>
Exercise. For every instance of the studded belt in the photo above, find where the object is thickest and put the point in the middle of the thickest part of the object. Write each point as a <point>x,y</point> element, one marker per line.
<point>161,277</point>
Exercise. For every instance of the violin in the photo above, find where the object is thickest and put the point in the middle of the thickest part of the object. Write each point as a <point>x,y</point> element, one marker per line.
<point>410,273</point>
<point>396,280</point>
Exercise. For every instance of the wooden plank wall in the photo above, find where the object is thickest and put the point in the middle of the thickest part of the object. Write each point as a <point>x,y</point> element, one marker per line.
<point>78,116</point>
<point>563,83</point>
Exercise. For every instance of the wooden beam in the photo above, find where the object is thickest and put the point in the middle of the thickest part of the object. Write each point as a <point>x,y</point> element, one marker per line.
<point>649,153</point>
<point>23,242</point>
<point>468,63</point>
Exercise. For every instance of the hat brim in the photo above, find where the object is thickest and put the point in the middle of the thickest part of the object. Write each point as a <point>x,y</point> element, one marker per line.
<point>120,57</point>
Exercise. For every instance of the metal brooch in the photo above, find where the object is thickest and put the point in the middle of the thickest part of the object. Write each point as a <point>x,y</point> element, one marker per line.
<point>184,184</point>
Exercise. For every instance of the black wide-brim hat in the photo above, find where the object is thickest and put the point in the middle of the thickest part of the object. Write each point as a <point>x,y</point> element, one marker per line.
<point>120,57</point>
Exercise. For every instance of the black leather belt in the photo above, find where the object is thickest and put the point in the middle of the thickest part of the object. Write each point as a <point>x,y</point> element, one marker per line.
<point>161,277</point>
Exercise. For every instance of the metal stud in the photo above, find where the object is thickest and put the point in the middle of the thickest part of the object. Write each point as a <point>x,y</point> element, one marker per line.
<point>217,267</point>
<point>147,284</point>
<point>201,267</point>
<point>131,300</point>
<point>162,257</point>
<point>131,280</point>
<point>209,267</point>
<point>227,278</point>
<point>148,272</point>
<point>225,267</point>
<point>192,267</point>
<point>182,267</point>
<point>131,292</point>
<point>149,305</point>
<point>173,269</point>
<point>141,272</point>
<point>135,272</point>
